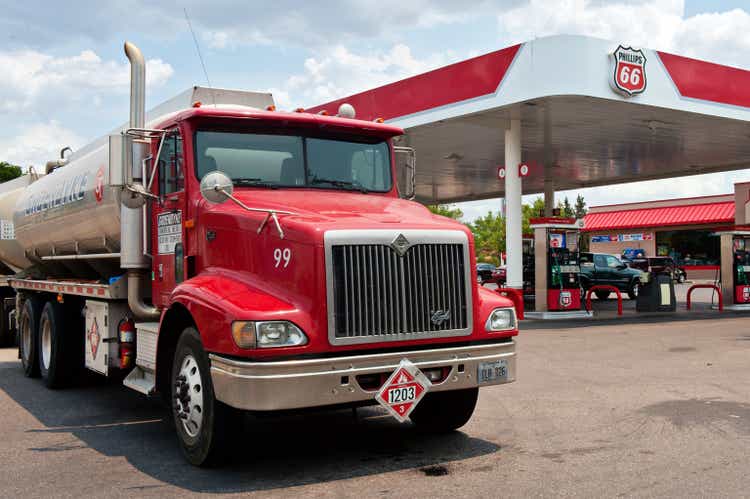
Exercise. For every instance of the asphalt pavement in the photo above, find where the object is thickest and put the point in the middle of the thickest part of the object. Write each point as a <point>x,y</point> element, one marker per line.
<point>616,410</point>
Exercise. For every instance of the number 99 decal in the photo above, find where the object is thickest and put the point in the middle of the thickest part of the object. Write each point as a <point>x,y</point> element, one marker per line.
<point>282,257</point>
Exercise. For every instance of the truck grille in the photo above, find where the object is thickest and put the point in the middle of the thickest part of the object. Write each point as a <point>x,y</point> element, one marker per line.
<point>379,295</point>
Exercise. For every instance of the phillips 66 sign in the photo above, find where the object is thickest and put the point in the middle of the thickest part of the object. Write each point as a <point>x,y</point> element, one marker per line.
<point>629,76</point>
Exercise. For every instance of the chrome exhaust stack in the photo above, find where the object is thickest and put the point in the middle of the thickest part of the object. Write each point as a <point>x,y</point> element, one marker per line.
<point>132,254</point>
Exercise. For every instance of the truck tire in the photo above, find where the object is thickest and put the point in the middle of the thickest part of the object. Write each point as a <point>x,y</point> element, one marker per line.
<point>53,343</point>
<point>205,427</point>
<point>602,295</point>
<point>6,333</point>
<point>633,289</point>
<point>28,341</point>
<point>441,412</point>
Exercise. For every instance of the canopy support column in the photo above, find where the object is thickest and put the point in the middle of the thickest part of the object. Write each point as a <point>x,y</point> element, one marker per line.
<point>549,194</point>
<point>513,213</point>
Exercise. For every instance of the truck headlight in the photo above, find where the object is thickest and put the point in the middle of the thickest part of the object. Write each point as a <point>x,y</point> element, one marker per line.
<point>501,319</point>
<point>267,334</point>
<point>279,334</point>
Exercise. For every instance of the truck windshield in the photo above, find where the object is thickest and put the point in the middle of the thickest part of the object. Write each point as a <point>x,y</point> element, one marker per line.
<point>261,160</point>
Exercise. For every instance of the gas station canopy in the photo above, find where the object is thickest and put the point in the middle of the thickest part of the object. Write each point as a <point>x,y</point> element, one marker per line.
<point>592,112</point>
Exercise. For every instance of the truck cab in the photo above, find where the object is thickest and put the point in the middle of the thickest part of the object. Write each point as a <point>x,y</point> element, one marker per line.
<point>302,278</point>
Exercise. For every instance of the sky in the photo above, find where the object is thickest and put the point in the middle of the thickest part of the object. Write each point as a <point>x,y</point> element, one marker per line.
<point>66,81</point>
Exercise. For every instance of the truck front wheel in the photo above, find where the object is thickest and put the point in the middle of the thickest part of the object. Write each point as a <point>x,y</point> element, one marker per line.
<point>28,332</point>
<point>204,425</point>
<point>441,412</point>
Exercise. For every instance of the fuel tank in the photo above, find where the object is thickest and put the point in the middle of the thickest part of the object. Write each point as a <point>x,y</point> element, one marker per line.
<point>11,251</point>
<point>71,210</point>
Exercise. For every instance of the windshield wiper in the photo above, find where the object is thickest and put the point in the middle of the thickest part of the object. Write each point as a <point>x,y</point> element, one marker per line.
<point>254,182</point>
<point>354,186</point>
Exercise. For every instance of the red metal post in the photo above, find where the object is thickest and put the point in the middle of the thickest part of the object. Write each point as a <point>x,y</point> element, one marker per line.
<point>604,287</point>
<point>705,286</point>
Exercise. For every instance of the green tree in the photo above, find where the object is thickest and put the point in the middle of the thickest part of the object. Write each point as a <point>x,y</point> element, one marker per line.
<point>489,237</point>
<point>489,231</point>
<point>446,210</point>
<point>580,209</point>
<point>9,171</point>
<point>565,209</point>
<point>529,211</point>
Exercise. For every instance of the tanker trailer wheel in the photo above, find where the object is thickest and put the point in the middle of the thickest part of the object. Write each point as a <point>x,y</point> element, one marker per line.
<point>441,412</point>
<point>205,426</point>
<point>28,332</point>
<point>52,346</point>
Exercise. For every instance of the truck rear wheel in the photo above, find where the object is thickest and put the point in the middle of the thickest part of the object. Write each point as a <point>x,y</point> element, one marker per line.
<point>28,341</point>
<point>52,346</point>
<point>205,426</point>
<point>441,412</point>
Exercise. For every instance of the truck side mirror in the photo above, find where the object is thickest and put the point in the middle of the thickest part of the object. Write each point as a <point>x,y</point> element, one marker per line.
<point>406,162</point>
<point>216,187</point>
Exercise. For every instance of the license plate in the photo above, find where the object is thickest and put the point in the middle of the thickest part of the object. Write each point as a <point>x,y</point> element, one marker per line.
<point>492,371</point>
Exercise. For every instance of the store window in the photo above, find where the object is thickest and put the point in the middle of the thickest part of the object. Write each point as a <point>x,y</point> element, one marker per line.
<point>689,247</point>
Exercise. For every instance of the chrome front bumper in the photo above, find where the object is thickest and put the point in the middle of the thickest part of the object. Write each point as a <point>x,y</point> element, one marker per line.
<point>294,384</point>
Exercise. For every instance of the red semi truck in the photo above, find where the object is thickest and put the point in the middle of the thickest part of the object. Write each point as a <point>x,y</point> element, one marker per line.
<point>232,258</point>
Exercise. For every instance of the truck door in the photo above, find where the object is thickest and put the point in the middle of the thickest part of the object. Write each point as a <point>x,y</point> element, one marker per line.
<point>167,223</point>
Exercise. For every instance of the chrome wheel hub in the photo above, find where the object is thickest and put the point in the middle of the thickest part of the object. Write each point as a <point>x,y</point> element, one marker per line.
<point>188,396</point>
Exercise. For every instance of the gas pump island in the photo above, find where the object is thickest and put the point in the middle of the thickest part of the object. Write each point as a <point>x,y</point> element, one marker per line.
<point>557,284</point>
<point>735,269</point>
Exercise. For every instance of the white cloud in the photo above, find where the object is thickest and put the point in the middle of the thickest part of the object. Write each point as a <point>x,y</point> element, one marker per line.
<point>231,23</point>
<point>338,71</point>
<point>32,78</point>
<point>657,24</point>
<point>38,143</point>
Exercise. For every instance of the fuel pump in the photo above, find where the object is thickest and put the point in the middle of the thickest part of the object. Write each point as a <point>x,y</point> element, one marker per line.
<point>563,279</point>
<point>557,270</point>
<point>741,271</point>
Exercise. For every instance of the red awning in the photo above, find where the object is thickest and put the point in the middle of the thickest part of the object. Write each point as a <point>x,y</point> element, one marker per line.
<point>696,214</point>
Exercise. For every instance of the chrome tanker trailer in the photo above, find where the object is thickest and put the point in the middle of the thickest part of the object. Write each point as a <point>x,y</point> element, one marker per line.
<point>12,255</point>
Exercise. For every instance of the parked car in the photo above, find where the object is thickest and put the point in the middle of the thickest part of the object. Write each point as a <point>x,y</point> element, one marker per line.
<point>658,265</point>
<point>599,268</point>
<point>499,276</point>
<point>484,272</point>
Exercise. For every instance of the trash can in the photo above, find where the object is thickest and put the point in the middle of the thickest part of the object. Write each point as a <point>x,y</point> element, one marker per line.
<point>656,294</point>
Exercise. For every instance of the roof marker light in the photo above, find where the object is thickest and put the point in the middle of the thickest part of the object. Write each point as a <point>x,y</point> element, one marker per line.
<point>271,108</point>
<point>378,120</point>
<point>299,110</point>
<point>323,112</point>
<point>346,111</point>
<point>197,103</point>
